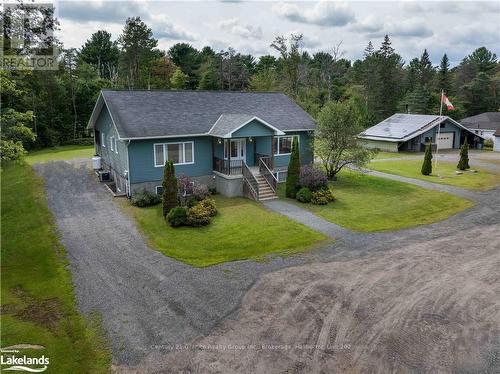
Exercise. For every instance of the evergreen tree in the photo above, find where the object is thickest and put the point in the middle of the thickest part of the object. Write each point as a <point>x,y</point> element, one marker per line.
<point>292,178</point>
<point>169,185</point>
<point>463,163</point>
<point>444,75</point>
<point>368,50</point>
<point>101,53</point>
<point>138,52</point>
<point>427,165</point>
<point>426,70</point>
<point>178,80</point>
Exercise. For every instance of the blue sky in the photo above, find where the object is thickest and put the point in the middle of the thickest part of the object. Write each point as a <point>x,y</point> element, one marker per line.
<point>456,28</point>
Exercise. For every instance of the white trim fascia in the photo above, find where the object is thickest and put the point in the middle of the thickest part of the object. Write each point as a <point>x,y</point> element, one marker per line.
<point>165,136</point>
<point>211,128</point>
<point>278,131</point>
<point>91,122</point>
<point>299,130</point>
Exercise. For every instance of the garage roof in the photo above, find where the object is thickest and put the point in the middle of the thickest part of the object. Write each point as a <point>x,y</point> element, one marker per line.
<point>402,127</point>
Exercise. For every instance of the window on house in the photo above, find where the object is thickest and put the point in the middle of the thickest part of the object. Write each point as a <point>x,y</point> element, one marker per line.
<point>111,143</point>
<point>103,140</point>
<point>283,144</point>
<point>115,145</point>
<point>159,190</point>
<point>178,153</point>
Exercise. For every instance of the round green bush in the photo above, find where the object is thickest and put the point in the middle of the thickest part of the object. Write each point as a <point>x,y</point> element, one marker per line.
<point>209,205</point>
<point>322,197</point>
<point>304,195</point>
<point>177,216</point>
<point>198,216</point>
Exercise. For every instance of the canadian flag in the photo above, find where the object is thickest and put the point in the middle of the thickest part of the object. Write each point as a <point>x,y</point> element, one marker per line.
<point>447,102</point>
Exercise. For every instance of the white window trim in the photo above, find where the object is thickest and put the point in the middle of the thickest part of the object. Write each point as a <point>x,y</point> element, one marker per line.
<point>116,145</point>
<point>165,153</point>
<point>156,189</point>
<point>278,144</point>
<point>103,139</point>
<point>111,141</point>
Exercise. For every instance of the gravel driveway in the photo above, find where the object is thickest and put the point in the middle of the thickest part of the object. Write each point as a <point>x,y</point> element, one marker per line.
<point>147,300</point>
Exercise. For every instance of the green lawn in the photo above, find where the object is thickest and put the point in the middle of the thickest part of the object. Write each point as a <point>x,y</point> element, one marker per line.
<point>66,152</point>
<point>366,203</point>
<point>38,302</point>
<point>383,155</point>
<point>241,230</point>
<point>444,174</point>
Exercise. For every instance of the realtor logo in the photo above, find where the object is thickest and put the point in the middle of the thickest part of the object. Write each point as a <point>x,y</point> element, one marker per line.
<point>28,29</point>
<point>11,359</point>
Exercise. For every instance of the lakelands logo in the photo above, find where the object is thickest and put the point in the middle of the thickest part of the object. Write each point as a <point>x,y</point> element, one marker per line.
<point>11,361</point>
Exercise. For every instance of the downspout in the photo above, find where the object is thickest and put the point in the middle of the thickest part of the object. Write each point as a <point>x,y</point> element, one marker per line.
<point>129,193</point>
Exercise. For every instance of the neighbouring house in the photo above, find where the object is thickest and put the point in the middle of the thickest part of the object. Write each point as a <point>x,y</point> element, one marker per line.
<point>237,142</point>
<point>496,141</point>
<point>411,132</point>
<point>484,124</point>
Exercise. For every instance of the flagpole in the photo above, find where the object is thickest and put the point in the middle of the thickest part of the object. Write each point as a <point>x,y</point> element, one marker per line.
<point>439,128</point>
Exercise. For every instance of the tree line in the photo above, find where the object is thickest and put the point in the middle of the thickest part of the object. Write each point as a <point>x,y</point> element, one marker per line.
<point>47,108</point>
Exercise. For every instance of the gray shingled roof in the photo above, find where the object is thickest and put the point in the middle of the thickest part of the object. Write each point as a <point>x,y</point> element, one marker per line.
<point>143,113</point>
<point>227,123</point>
<point>485,121</point>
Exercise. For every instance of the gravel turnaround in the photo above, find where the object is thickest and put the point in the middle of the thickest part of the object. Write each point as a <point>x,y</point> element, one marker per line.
<point>149,302</point>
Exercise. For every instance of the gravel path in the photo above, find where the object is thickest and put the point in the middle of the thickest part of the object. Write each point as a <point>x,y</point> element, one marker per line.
<point>149,301</point>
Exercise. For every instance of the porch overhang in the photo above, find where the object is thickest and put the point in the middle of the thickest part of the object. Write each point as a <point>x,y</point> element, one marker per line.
<point>230,126</point>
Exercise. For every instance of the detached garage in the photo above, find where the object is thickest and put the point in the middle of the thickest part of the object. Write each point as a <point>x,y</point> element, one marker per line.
<point>411,132</point>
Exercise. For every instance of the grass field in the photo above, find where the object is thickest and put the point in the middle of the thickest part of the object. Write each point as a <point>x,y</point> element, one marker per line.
<point>38,302</point>
<point>366,203</point>
<point>66,152</point>
<point>444,174</point>
<point>241,230</point>
<point>383,155</point>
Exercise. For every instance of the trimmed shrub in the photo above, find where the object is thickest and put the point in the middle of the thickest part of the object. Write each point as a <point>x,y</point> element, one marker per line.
<point>463,163</point>
<point>169,188</point>
<point>488,144</point>
<point>209,205</point>
<point>304,195</point>
<point>322,196</point>
<point>144,199</point>
<point>312,177</point>
<point>427,164</point>
<point>177,216</point>
<point>198,216</point>
<point>200,191</point>
<point>191,201</point>
<point>292,178</point>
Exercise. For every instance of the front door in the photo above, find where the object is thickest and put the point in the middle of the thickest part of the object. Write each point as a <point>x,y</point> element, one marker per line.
<point>238,149</point>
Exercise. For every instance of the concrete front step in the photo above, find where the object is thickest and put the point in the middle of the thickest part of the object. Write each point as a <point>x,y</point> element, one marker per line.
<point>268,198</point>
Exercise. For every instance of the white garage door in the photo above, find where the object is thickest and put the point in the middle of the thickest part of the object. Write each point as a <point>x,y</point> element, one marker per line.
<point>445,140</point>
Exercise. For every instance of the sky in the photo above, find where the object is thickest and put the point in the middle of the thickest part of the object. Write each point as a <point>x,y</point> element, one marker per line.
<point>454,28</point>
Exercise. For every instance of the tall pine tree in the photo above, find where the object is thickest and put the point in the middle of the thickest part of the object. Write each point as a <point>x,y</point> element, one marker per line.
<point>292,178</point>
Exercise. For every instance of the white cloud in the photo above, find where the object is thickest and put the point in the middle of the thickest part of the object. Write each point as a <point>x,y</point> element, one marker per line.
<point>163,28</point>
<point>323,13</point>
<point>247,31</point>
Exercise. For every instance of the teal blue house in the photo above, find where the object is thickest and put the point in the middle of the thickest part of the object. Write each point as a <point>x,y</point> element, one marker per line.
<point>236,142</point>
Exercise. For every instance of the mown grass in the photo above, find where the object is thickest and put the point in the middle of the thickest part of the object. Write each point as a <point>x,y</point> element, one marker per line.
<point>445,173</point>
<point>66,152</point>
<point>38,302</point>
<point>365,203</point>
<point>384,155</point>
<point>242,230</point>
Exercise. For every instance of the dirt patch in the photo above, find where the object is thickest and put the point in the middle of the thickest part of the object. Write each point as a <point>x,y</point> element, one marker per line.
<point>46,313</point>
<point>430,307</point>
